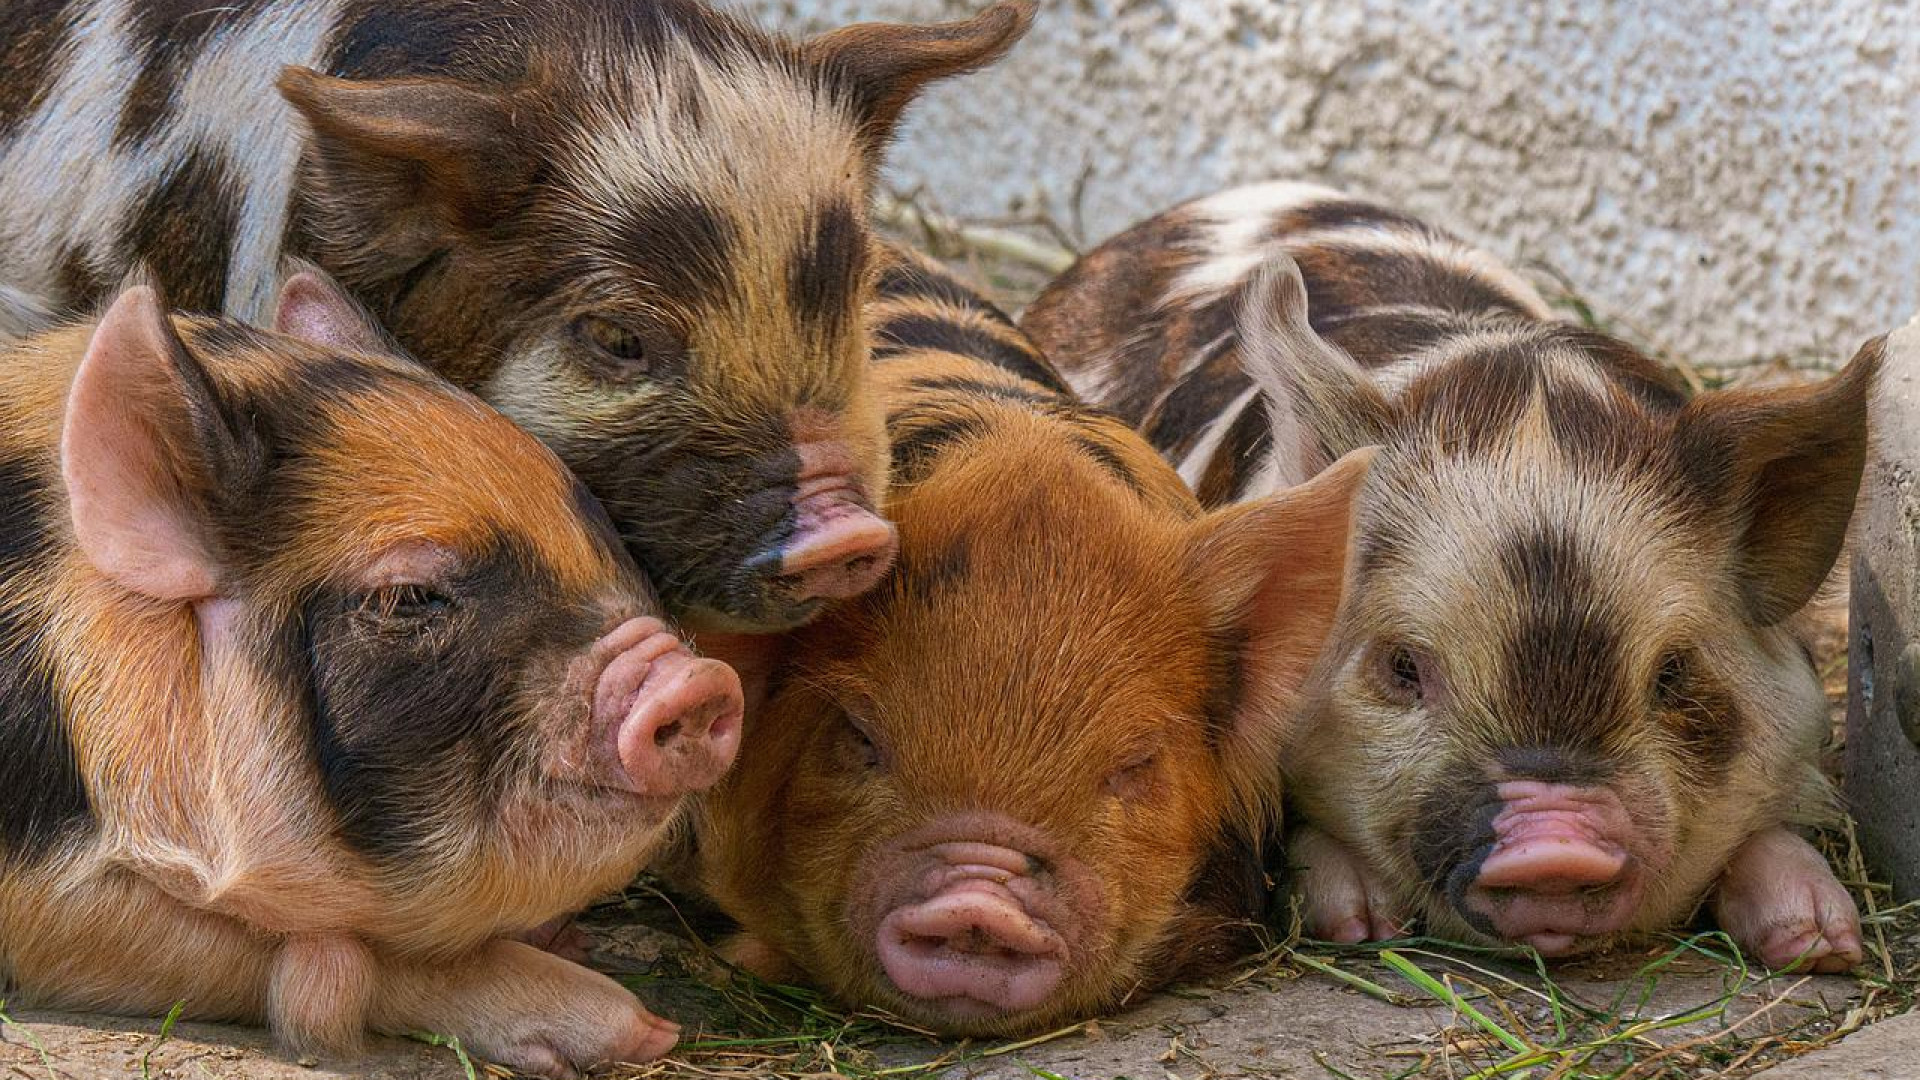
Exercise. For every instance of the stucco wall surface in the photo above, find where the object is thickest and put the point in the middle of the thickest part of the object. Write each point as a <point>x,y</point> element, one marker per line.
<point>1725,181</point>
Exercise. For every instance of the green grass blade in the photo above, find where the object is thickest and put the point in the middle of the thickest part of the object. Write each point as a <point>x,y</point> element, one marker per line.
<point>1443,993</point>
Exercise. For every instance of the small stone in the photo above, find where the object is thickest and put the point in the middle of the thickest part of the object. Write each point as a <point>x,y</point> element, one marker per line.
<point>307,1062</point>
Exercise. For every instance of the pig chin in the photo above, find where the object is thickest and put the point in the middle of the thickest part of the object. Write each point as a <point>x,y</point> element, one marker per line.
<point>976,925</point>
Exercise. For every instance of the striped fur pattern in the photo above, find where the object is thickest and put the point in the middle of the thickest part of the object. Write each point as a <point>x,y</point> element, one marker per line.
<point>1569,572</point>
<point>294,642</point>
<point>1069,657</point>
<point>637,227</point>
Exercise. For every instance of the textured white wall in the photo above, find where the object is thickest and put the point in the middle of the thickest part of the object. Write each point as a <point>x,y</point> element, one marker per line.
<point>1727,181</point>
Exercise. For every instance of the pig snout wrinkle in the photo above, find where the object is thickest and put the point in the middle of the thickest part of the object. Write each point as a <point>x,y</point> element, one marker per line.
<point>1560,868</point>
<point>668,722</point>
<point>973,942</point>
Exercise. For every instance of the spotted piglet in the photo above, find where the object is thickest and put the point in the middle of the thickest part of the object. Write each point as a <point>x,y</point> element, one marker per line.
<point>636,227</point>
<point>320,684</point>
<point>1017,783</point>
<point>1565,702</point>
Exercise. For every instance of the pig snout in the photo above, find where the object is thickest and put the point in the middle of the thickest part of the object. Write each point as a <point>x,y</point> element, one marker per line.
<point>838,546</point>
<point>977,921</point>
<point>1561,867</point>
<point>971,941</point>
<point>664,722</point>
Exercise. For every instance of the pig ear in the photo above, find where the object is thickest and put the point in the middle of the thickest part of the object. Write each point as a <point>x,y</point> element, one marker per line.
<point>1783,465</point>
<point>313,308</point>
<point>1276,571</point>
<point>882,66</point>
<point>1321,402</point>
<point>401,148</point>
<point>138,448</point>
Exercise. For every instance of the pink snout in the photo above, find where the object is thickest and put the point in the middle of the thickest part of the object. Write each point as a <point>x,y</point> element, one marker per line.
<point>973,944</point>
<point>1562,867</point>
<point>839,547</point>
<point>665,722</point>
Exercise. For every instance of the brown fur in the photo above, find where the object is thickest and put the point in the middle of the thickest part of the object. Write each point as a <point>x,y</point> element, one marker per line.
<point>1067,641</point>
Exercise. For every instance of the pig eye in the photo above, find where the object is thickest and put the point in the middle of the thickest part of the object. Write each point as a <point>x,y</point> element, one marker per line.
<point>1404,674</point>
<point>1670,685</point>
<point>862,750</point>
<point>406,605</point>
<point>620,350</point>
<point>1133,781</point>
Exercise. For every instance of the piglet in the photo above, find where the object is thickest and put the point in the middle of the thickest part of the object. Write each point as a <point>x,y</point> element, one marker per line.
<point>321,683</point>
<point>1022,779</point>
<point>1566,703</point>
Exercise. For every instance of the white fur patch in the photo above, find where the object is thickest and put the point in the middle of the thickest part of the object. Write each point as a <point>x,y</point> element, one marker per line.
<point>71,189</point>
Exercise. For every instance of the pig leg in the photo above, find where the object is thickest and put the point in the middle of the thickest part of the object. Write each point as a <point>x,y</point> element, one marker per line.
<point>1779,900</point>
<point>523,1008</point>
<point>1341,899</point>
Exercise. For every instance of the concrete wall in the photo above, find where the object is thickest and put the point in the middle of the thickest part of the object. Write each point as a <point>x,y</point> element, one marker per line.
<point>1726,180</point>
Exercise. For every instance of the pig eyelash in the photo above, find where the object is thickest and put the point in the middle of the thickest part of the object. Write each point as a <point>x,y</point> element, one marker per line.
<point>1404,674</point>
<point>406,605</point>
<point>624,351</point>
<point>866,749</point>
<point>1670,685</point>
<point>1132,781</point>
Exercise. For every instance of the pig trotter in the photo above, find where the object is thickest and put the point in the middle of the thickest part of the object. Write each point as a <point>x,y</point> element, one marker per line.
<point>1341,898</point>
<point>525,1009</point>
<point>1779,900</point>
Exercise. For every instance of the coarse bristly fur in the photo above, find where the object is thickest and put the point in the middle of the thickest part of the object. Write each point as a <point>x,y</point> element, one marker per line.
<point>1070,658</point>
<point>295,643</point>
<point>1568,570</point>
<point>637,227</point>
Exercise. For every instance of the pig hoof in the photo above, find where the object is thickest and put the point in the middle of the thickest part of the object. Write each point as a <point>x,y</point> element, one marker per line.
<point>1341,899</point>
<point>1779,901</point>
<point>563,1055</point>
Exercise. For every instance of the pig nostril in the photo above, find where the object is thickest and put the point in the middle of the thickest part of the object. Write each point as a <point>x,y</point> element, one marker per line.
<point>666,734</point>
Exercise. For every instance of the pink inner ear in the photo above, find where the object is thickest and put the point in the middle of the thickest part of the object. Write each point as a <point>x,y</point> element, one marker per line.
<point>313,309</point>
<point>133,521</point>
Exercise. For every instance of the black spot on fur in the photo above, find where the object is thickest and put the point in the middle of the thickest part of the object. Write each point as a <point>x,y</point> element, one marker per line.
<point>1237,459</point>
<point>183,229</point>
<point>1349,213</point>
<point>924,576</point>
<point>1109,459</point>
<point>1198,402</point>
<point>918,442</point>
<point>678,245</point>
<point>911,280</point>
<point>169,36</point>
<point>981,388</point>
<point>80,285</point>
<point>43,799</point>
<point>1220,912</point>
<point>1565,660</point>
<point>918,331</point>
<point>1342,279</point>
<point>1452,833</point>
<point>824,279</point>
<point>35,36</point>
<point>414,720</point>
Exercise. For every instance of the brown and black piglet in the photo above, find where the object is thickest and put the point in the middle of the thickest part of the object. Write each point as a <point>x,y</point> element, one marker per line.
<point>320,684</point>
